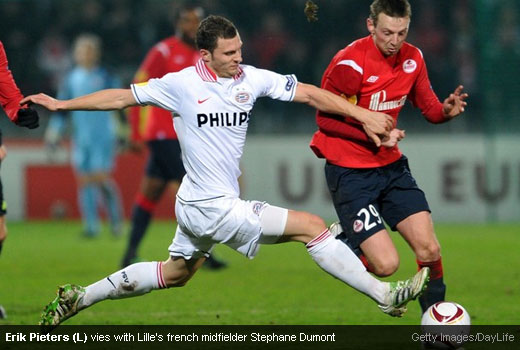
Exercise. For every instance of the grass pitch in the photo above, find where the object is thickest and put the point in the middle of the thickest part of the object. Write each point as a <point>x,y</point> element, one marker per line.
<point>281,286</point>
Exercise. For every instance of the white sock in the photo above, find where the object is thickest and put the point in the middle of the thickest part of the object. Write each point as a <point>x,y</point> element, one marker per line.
<point>133,280</point>
<point>337,259</point>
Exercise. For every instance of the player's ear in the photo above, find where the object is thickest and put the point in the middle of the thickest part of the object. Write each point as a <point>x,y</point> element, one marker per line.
<point>370,26</point>
<point>206,55</point>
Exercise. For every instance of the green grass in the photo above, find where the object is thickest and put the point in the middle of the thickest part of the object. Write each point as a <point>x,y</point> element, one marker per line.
<point>281,286</point>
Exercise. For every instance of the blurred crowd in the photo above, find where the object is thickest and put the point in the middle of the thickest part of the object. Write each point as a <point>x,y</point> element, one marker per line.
<point>472,42</point>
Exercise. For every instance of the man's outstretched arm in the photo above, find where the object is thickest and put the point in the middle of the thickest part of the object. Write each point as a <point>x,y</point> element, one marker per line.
<point>103,100</point>
<point>377,125</point>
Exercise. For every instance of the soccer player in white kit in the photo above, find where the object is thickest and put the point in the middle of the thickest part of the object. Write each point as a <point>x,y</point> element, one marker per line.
<point>211,103</point>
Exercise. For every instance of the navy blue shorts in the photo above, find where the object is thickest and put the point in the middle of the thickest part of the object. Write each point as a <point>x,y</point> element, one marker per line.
<point>165,160</point>
<point>367,198</point>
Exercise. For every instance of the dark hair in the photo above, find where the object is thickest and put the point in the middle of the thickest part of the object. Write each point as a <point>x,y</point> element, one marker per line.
<point>211,29</point>
<point>392,8</point>
<point>199,11</point>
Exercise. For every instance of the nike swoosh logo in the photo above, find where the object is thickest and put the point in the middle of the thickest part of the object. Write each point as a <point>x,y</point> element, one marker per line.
<point>202,101</point>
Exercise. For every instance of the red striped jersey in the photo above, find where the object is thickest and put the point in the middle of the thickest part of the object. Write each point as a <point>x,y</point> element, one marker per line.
<point>363,75</point>
<point>10,95</point>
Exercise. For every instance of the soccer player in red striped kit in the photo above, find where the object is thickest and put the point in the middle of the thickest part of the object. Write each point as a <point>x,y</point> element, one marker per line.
<point>155,126</point>
<point>371,184</point>
<point>10,96</point>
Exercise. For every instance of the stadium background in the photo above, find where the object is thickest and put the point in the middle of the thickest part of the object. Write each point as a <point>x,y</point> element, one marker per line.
<point>469,168</point>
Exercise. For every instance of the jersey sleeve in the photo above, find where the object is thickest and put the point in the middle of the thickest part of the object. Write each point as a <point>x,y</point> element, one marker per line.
<point>343,79</point>
<point>423,97</point>
<point>165,92</point>
<point>336,126</point>
<point>10,95</point>
<point>274,85</point>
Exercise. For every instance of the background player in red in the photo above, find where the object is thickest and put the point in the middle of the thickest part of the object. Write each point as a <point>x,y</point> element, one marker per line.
<point>369,183</point>
<point>155,126</point>
<point>10,97</point>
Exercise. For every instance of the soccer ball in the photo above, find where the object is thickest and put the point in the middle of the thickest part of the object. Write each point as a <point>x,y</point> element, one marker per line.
<point>446,325</point>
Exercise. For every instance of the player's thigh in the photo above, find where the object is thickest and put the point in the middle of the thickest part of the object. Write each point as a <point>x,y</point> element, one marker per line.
<point>381,253</point>
<point>227,220</point>
<point>302,227</point>
<point>418,231</point>
<point>406,210</point>
<point>280,225</point>
<point>402,197</point>
<point>355,194</point>
<point>187,245</point>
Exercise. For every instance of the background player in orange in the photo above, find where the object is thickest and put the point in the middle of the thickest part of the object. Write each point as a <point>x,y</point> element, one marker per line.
<point>370,184</point>
<point>10,97</point>
<point>155,126</point>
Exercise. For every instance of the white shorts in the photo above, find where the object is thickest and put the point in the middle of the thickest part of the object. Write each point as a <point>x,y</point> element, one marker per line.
<point>239,224</point>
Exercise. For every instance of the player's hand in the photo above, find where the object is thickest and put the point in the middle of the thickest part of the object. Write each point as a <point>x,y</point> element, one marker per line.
<point>28,118</point>
<point>43,100</point>
<point>393,138</point>
<point>378,126</point>
<point>455,103</point>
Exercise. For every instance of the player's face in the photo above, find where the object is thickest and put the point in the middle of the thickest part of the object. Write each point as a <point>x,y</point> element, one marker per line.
<point>226,57</point>
<point>86,55</point>
<point>390,33</point>
<point>189,23</point>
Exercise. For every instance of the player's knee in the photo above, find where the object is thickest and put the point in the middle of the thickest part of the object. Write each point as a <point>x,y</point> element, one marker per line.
<point>429,252</point>
<point>315,225</point>
<point>385,268</point>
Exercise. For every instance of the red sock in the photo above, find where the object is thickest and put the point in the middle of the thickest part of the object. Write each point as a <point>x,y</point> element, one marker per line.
<point>145,203</point>
<point>435,268</point>
<point>365,262</point>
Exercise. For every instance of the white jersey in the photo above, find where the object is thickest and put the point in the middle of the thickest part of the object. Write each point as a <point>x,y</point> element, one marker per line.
<point>211,117</point>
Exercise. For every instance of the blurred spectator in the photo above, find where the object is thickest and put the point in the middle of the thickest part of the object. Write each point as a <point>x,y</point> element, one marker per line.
<point>53,59</point>
<point>94,137</point>
<point>269,43</point>
<point>505,85</point>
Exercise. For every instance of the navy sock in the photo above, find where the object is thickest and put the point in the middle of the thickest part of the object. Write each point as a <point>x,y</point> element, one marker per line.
<point>435,292</point>
<point>140,221</point>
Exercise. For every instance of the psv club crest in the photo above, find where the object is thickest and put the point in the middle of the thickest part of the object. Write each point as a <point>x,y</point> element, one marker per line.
<point>242,97</point>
